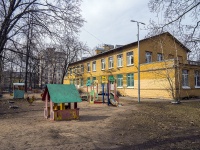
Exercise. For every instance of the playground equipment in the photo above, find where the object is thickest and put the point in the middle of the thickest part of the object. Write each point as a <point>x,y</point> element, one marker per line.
<point>58,95</point>
<point>111,97</point>
<point>18,90</point>
<point>93,95</point>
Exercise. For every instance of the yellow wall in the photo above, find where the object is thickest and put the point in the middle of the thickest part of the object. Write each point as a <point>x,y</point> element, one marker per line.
<point>156,80</point>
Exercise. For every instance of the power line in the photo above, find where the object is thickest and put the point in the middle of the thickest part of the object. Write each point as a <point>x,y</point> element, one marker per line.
<point>93,35</point>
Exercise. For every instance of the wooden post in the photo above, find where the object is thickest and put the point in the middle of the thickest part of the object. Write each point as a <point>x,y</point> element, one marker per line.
<point>97,91</point>
<point>62,106</point>
<point>108,90</point>
<point>46,107</point>
<point>103,93</point>
<point>87,92</point>
<point>51,110</point>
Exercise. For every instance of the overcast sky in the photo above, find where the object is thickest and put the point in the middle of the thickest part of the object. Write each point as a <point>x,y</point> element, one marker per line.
<point>108,21</point>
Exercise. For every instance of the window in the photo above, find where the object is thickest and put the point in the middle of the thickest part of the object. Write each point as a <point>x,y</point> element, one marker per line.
<point>159,57</point>
<point>110,60</point>
<point>171,56</point>
<point>88,67</point>
<point>185,81</point>
<point>82,69</point>
<point>130,80</point>
<point>180,59</point>
<point>119,60</point>
<point>88,78</point>
<point>75,70</point>
<point>70,70</point>
<point>94,66</point>
<point>148,57</point>
<point>81,81</point>
<point>119,80</point>
<point>103,65</point>
<point>93,78</point>
<point>197,79</point>
<point>129,57</point>
<point>71,82</point>
<point>78,69</point>
<point>77,81</point>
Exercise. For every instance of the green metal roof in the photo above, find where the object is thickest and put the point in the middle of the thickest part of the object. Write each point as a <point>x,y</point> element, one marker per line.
<point>63,93</point>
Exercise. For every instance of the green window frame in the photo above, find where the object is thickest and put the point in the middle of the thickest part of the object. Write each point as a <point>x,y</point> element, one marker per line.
<point>130,80</point>
<point>119,80</point>
<point>94,78</point>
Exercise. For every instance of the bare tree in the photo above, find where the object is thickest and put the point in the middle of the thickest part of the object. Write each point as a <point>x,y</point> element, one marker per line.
<point>180,17</point>
<point>72,49</point>
<point>48,18</point>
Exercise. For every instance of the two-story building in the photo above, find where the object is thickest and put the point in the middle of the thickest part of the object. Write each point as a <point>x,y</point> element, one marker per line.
<point>165,71</point>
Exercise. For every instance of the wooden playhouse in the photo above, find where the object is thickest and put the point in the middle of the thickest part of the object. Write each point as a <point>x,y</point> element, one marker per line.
<point>61,102</point>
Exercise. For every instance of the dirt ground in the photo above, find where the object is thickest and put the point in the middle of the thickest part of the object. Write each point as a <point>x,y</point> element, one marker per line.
<point>148,125</point>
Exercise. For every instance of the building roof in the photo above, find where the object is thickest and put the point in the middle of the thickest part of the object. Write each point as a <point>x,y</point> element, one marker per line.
<point>132,44</point>
<point>62,93</point>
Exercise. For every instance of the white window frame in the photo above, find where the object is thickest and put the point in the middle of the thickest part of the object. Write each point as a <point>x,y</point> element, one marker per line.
<point>110,62</point>
<point>148,56</point>
<point>94,66</point>
<point>120,60</point>
<point>185,79</point>
<point>129,58</point>
<point>88,67</point>
<point>159,57</point>
<point>197,79</point>
<point>103,65</point>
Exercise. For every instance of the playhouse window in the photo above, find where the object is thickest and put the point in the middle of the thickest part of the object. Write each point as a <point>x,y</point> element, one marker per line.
<point>159,57</point>
<point>103,65</point>
<point>185,80</point>
<point>197,79</point>
<point>94,65</point>
<point>119,80</point>
<point>110,59</point>
<point>148,57</point>
<point>129,60</point>
<point>88,67</point>
<point>119,60</point>
<point>130,80</point>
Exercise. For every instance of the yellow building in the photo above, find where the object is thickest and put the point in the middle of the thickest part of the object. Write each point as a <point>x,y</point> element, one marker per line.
<point>165,71</point>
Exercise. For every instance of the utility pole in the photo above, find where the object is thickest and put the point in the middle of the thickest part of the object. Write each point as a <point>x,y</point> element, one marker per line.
<point>138,58</point>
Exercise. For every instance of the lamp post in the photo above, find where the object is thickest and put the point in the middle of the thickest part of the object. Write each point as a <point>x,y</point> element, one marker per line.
<point>138,58</point>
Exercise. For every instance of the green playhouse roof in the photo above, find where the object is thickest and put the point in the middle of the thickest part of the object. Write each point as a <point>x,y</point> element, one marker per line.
<point>63,93</point>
